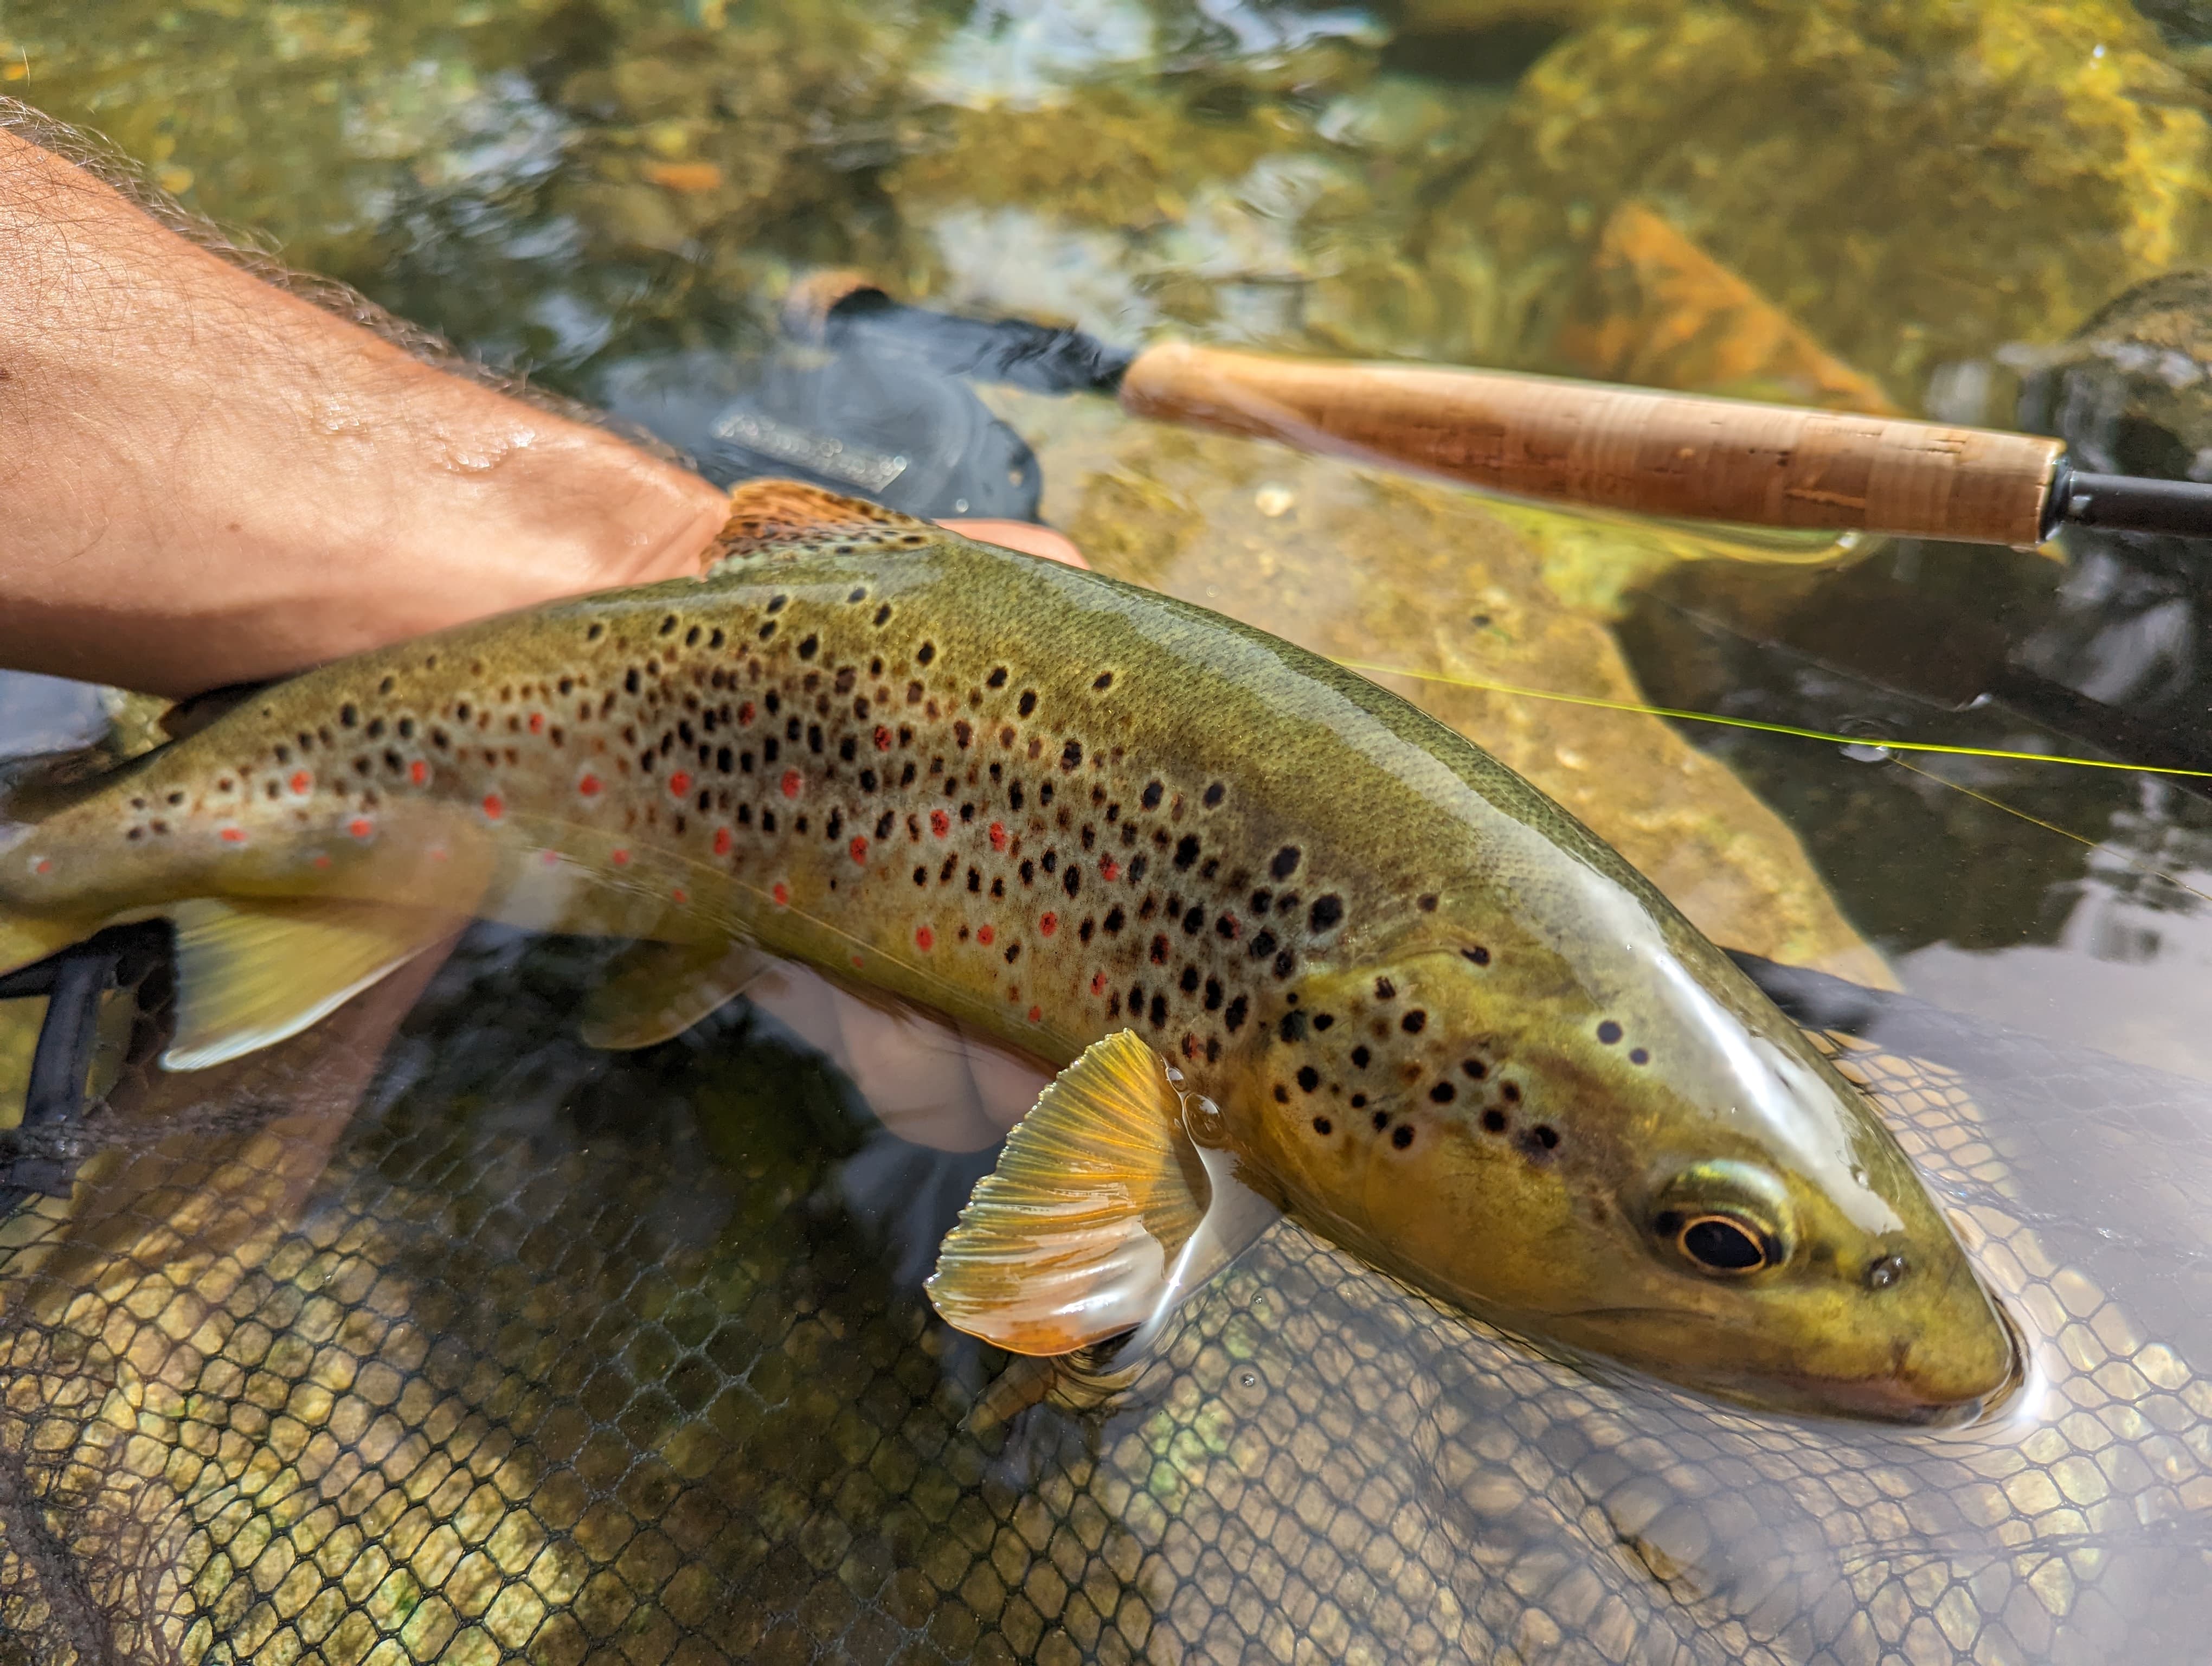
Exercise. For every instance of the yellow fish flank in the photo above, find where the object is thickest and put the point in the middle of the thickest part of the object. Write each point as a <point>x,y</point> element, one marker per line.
<point>1273,920</point>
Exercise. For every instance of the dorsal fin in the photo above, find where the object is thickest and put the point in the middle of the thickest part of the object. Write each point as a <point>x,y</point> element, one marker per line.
<point>787,517</point>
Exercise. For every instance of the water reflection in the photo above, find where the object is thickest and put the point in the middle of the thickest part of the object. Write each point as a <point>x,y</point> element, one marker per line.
<point>577,1357</point>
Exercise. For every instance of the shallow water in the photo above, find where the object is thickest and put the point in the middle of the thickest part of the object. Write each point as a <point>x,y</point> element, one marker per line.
<point>540,1351</point>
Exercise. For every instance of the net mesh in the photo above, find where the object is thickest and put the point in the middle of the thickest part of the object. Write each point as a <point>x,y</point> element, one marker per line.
<point>476,1345</point>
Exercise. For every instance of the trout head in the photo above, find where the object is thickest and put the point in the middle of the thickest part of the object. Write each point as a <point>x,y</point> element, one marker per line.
<point>1609,1152</point>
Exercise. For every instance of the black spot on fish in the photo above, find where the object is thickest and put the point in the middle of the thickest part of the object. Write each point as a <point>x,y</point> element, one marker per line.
<point>1103,680</point>
<point>1027,703</point>
<point>1382,1120</point>
<point>1479,955</point>
<point>997,679</point>
<point>1443,1093</point>
<point>1327,911</point>
<point>1293,1026</point>
<point>1194,921</point>
<point>884,613</point>
<point>348,715</point>
<point>1262,945</point>
<point>924,653</point>
<point>1638,1055</point>
<point>1233,1020</point>
<point>1286,862</point>
<point>775,604</point>
<point>1385,990</point>
<point>1189,980</point>
<point>1361,1058</point>
<point>1212,994</point>
<point>1493,1121</point>
<point>1151,795</point>
<point>1215,794</point>
<point>1401,1136</point>
<point>1115,919</point>
<point>1608,1032</point>
<point>1475,1068</point>
<point>1414,1022</point>
<point>1324,1127</point>
<point>1186,850</point>
<point>1158,1014</point>
<point>1309,1078</point>
<point>1427,904</point>
<point>1071,755</point>
<point>1544,1137</point>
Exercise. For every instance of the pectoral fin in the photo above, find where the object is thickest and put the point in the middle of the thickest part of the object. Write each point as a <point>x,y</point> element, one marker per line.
<point>250,973</point>
<point>656,991</point>
<point>1081,1233</point>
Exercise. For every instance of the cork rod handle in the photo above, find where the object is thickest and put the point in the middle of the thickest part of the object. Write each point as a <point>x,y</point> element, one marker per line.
<point>1692,458</point>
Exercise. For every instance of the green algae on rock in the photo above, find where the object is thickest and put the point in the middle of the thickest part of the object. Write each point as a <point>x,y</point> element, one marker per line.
<point>1977,131</point>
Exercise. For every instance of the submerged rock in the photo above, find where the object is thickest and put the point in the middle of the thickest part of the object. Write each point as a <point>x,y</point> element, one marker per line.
<point>1919,183</point>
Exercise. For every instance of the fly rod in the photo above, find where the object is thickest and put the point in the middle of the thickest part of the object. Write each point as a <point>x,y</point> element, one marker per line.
<point>1688,457</point>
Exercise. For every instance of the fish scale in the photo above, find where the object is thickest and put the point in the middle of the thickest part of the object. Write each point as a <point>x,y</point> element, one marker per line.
<point>1437,1017</point>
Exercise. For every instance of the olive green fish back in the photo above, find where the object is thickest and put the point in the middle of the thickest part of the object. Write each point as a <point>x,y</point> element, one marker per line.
<point>539,1357</point>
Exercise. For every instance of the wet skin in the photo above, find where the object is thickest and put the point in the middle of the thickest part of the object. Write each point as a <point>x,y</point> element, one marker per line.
<point>1445,1025</point>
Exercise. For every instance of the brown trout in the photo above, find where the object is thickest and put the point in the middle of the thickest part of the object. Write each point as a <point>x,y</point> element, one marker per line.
<point>1291,940</point>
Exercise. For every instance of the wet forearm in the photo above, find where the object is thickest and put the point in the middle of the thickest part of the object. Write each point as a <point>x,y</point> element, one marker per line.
<point>205,480</point>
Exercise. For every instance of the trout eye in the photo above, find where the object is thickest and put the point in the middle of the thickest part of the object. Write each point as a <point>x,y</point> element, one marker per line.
<point>1724,1219</point>
<point>1723,1244</point>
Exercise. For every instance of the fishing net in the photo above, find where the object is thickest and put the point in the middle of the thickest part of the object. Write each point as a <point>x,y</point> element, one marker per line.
<point>473,1345</point>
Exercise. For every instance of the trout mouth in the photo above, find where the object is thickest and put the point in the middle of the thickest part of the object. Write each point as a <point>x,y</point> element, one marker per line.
<point>1898,1394</point>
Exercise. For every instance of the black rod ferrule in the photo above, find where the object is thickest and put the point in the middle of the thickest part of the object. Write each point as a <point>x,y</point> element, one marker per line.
<point>2126,503</point>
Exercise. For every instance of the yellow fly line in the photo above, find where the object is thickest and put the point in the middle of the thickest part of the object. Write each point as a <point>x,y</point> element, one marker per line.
<point>1791,729</point>
<point>1488,687</point>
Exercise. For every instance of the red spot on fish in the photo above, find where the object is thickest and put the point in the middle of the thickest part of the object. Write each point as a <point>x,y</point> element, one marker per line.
<point>721,841</point>
<point>924,939</point>
<point>322,861</point>
<point>883,738</point>
<point>746,712</point>
<point>998,836</point>
<point>939,823</point>
<point>678,784</point>
<point>780,892</point>
<point>551,858</point>
<point>419,773</point>
<point>860,849</point>
<point>856,960</point>
<point>791,783</point>
<point>621,859</point>
<point>1037,1014</point>
<point>984,933</point>
<point>538,722</point>
<point>1098,984</point>
<point>44,864</point>
<point>589,786</point>
<point>360,827</point>
<point>1050,924</point>
<point>234,836</point>
<point>438,853</point>
<point>1109,869</point>
<point>301,780</point>
<point>677,895</point>
<point>494,806</point>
